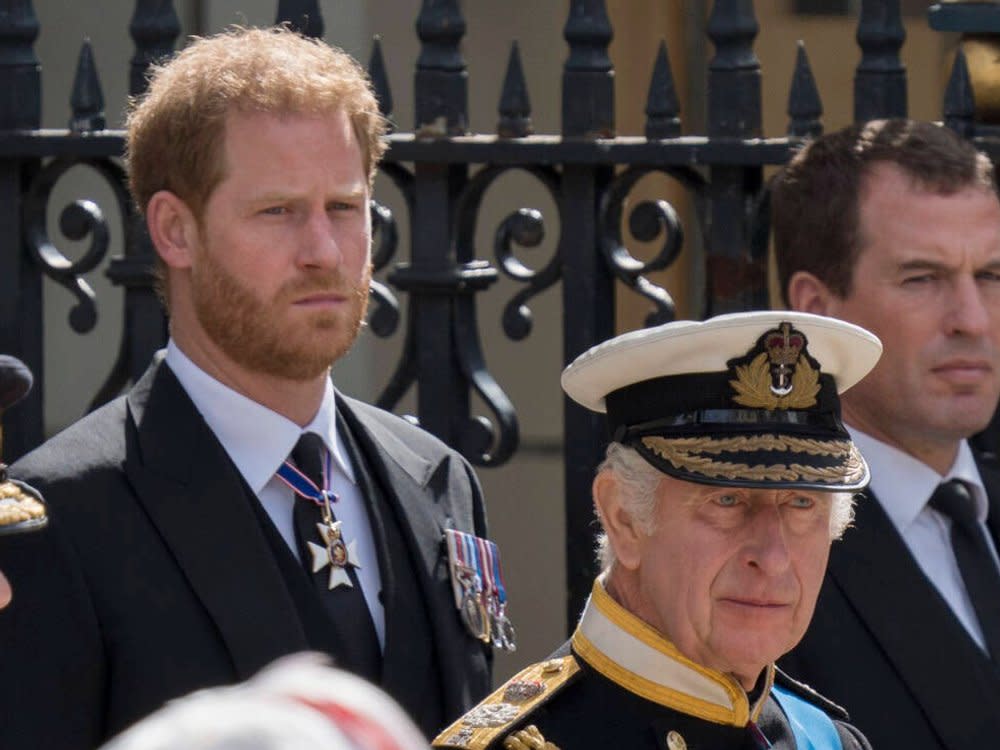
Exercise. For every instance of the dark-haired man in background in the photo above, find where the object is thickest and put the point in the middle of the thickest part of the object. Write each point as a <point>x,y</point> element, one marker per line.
<point>895,226</point>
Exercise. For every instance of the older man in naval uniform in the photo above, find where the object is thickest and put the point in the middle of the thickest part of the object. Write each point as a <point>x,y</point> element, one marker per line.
<point>728,477</point>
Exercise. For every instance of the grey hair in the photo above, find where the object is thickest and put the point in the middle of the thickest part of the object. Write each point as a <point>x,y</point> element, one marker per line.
<point>639,481</point>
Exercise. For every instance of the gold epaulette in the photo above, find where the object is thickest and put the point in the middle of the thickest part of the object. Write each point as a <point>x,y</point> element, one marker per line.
<point>521,694</point>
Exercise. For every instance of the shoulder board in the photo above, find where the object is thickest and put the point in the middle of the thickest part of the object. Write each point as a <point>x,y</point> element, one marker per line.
<point>518,697</point>
<point>807,693</point>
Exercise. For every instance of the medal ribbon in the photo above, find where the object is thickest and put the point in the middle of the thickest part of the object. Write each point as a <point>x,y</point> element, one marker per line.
<point>303,486</point>
<point>477,575</point>
<point>483,559</point>
<point>501,587</point>
<point>449,537</point>
<point>471,559</point>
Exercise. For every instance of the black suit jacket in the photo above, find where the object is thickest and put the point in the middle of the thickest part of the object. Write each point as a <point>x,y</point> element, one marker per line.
<point>155,577</point>
<point>884,644</point>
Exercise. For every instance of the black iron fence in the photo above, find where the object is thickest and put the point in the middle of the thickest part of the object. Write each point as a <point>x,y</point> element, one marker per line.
<point>443,172</point>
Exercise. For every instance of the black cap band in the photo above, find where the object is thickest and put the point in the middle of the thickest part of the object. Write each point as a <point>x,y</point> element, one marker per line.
<point>702,402</point>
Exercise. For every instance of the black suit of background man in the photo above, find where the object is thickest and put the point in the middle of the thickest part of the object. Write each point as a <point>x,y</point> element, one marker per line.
<point>913,671</point>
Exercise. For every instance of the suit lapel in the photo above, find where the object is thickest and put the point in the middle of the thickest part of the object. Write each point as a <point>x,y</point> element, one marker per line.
<point>195,497</point>
<point>406,475</point>
<point>408,480</point>
<point>876,572</point>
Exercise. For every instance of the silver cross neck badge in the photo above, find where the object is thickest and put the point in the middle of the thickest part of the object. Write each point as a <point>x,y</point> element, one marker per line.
<point>335,553</point>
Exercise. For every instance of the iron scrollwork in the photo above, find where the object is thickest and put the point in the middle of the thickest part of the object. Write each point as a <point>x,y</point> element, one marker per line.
<point>647,221</point>
<point>77,221</point>
<point>495,445</point>
<point>526,228</point>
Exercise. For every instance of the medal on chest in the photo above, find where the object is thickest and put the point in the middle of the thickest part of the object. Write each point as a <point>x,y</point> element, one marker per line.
<point>333,550</point>
<point>478,586</point>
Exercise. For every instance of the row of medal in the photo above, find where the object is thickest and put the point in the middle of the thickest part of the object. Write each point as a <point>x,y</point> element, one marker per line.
<point>478,585</point>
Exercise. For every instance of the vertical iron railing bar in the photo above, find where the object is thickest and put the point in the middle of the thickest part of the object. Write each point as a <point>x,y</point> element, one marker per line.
<point>437,282</point>
<point>588,107</point>
<point>515,104</point>
<point>87,99</point>
<point>441,98</point>
<point>588,289</point>
<point>734,281</point>
<point>303,16</point>
<point>959,105</point>
<point>880,78</point>
<point>379,77</point>
<point>662,106</point>
<point>804,106</point>
<point>154,27</point>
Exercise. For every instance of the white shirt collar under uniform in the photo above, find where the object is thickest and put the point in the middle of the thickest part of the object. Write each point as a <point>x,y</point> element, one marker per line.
<point>257,439</point>
<point>903,486</point>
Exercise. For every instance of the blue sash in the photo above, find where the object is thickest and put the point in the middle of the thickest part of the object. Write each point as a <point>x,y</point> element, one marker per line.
<point>813,729</point>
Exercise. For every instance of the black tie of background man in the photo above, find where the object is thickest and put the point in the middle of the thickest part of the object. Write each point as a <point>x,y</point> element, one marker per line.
<point>975,559</point>
<point>345,604</point>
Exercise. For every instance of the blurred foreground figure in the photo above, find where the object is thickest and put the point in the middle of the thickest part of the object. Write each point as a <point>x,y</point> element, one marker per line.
<point>298,703</point>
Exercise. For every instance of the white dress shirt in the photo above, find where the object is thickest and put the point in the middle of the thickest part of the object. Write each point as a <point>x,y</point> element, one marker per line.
<point>904,485</point>
<point>259,440</point>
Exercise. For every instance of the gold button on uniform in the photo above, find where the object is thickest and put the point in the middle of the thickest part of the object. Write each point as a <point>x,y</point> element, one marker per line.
<point>675,741</point>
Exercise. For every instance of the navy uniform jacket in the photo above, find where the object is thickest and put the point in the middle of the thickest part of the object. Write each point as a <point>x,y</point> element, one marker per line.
<point>159,574</point>
<point>617,684</point>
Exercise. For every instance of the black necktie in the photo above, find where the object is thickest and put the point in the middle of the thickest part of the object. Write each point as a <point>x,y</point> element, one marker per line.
<point>345,604</point>
<point>974,556</point>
